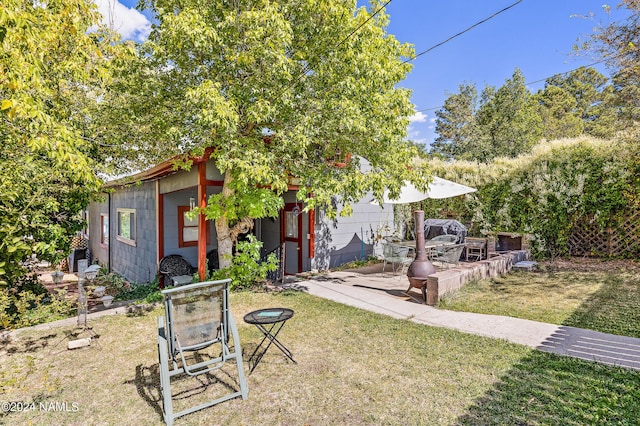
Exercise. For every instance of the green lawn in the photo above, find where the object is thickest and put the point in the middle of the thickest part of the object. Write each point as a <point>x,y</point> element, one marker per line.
<point>354,367</point>
<point>602,299</point>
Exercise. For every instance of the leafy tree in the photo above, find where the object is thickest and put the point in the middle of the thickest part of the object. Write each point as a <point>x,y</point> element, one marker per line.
<point>557,111</point>
<point>592,95</point>
<point>618,43</point>
<point>271,90</point>
<point>508,120</point>
<point>50,67</point>
<point>502,122</point>
<point>456,123</point>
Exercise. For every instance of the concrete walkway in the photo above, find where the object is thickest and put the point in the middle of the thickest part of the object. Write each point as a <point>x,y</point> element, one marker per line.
<point>386,294</point>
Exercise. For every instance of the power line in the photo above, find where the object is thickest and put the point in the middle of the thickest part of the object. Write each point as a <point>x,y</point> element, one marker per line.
<point>582,66</point>
<point>462,32</point>
<point>543,79</point>
<point>364,23</point>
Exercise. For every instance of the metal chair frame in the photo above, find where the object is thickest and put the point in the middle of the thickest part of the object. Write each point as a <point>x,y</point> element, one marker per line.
<point>448,255</point>
<point>172,345</point>
<point>396,255</point>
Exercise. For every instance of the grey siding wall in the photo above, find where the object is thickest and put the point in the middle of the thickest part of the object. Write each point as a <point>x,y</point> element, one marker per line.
<point>179,181</point>
<point>346,239</point>
<point>137,262</point>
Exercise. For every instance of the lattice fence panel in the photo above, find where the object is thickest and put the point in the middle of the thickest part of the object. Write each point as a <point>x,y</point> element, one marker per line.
<point>623,240</point>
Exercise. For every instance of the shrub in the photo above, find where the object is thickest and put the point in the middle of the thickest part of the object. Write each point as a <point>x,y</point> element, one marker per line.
<point>544,193</point>
<point>113,283</point>
<point>148,293</point>
<point>246,268</point>
<point>29,304</point>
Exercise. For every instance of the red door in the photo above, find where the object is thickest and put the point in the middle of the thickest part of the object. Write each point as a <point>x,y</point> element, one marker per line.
<point>291,236</point>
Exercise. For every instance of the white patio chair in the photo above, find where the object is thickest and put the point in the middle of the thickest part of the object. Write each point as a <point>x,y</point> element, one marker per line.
<point>397,255</point>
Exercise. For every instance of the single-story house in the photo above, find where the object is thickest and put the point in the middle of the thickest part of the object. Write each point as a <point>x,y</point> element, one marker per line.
<point>142,218</point>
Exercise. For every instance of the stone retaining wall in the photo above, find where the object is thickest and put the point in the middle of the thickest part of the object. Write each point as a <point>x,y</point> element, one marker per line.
<point>450,280</point>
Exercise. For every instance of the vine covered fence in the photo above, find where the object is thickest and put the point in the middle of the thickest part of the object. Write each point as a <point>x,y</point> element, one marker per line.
<point>620,240</point>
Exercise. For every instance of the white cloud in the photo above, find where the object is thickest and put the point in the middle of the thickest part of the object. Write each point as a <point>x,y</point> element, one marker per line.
<point>129,22</point>
<point>413,134</point>
<point>418,117</point>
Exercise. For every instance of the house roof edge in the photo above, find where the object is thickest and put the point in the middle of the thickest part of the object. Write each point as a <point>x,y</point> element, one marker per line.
<point>158,171</point>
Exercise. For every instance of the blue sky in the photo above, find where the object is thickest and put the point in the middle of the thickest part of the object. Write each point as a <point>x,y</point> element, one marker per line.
<point>536,36</point>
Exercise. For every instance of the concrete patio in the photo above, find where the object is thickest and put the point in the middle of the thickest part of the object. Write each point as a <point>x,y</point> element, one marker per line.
<point>450,279</point>
<point>383,292</point>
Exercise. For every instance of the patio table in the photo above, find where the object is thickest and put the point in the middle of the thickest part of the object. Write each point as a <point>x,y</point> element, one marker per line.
<point>269,321</point>
<point>429,245</point>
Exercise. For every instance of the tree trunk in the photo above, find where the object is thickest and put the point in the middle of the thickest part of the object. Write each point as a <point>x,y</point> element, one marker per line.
<point>225,243</point>
<point>227,235</point>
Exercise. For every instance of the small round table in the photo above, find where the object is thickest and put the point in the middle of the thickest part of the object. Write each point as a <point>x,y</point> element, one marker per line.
<point>269,321</point>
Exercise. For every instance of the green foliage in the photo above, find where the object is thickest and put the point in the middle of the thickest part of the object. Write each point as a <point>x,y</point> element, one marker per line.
<point>547,192</point>
<point>504,122</point>
<point>251,202</point>
<point>508,121</point>
<point>29,304</point>
<point>557,111</point>
<point>617,43</point>
<point>246,269</point>
<point>52,70</point>
<point>456,124</point>
<point>371,260</point>
<point>114,284</point>
<point>270,91</point>
<point>148,293</point>
<point>580,101</point>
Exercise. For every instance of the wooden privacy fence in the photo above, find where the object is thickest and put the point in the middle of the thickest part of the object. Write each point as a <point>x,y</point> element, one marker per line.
<point>621,240</point>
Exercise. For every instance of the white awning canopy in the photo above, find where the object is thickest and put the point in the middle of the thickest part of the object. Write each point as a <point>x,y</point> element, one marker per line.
<point>439,188</point>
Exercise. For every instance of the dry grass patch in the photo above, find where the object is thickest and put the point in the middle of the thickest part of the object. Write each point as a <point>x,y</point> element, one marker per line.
<point>354,367</point>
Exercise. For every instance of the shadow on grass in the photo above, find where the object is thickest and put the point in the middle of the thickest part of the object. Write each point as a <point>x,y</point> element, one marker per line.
<point>147,383</point>
<point>391,292</point>
<point>26,345</point>
<point>183,387</point>
<point>546,388</point>
<point>613,309</point>
<point>551,389</point>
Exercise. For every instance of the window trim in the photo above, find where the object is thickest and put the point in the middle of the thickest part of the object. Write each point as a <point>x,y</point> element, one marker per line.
<point>181,243</point>
<point>123,239</point>
<point>104,238</point>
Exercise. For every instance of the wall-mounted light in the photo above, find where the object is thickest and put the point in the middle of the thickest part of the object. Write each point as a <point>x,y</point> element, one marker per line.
<point>192,203</point>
